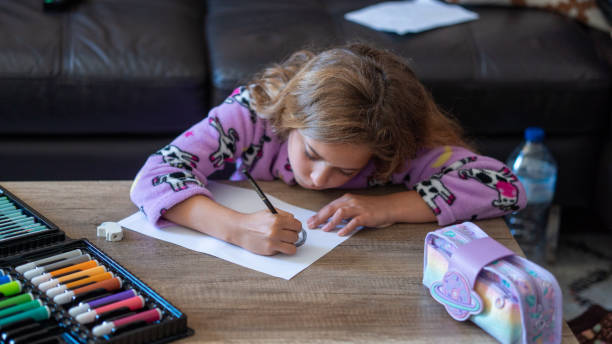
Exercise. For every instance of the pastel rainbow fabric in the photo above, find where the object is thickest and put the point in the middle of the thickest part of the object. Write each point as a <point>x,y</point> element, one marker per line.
<point>520,301</point>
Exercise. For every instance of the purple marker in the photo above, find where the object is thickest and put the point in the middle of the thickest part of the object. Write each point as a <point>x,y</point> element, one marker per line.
<point>86,306</point>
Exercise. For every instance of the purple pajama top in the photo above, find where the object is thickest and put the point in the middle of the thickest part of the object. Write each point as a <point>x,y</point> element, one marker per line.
<point>456,183</point>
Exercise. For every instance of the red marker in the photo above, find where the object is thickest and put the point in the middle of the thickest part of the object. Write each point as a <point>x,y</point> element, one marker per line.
<point>108,327</point>
<point>105,312</point>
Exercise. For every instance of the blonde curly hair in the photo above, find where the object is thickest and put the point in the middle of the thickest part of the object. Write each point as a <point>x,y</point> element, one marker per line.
<point>354,94</point>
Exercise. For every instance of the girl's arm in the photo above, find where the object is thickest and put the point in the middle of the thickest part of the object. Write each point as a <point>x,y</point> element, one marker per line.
<point>261,232</point>
<point>450,184</point>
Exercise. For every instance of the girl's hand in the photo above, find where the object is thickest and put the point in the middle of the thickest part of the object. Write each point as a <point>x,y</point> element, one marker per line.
<point>369,211</point>
<point>268,234</point>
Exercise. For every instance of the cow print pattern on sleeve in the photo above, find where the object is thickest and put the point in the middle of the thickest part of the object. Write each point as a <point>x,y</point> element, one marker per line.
<point>227,144</point>
<point>432,188</point>
<point>177,180</point>
<point>501,181</point>
<point>175,157</point>
<point>242,96</point>
<point>254,152</point>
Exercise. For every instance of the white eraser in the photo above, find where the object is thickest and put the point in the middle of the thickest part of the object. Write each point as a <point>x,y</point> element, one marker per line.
<point>114,234</point>
<point>109,231</point>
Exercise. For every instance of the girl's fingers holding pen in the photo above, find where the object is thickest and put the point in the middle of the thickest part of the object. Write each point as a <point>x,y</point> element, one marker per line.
<point>288,221</point>
<point>286,248</point>
<point>288,236</point>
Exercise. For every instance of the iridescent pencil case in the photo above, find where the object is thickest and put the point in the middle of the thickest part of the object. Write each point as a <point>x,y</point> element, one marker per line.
<point>477,278</point>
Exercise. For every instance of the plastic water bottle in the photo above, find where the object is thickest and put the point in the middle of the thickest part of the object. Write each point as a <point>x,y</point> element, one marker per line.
<point>536,168</point>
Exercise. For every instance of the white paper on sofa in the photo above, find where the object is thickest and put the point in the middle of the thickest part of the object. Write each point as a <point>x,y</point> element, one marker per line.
<point>411,16</point>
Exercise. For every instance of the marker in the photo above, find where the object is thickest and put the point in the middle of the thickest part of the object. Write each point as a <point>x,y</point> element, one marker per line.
<point>20,308</point>
<point>5,279</point>
<point>20,231</point>
<point>74,264</point>
<point>18,223</point>
<point>108,327</point>
<point>88,291</point>
<point>15,300</point>
<point>86,306</point>
<point>41,333</point>
<point>11,288</point>
<point>79,283</point>
<point>24,233</point>
<point>71,277</point>
<point>15,215</point>
<point>21,227</point>
<point>36,314</point>
<point>7,207</point>
<point>114,309</point>
<point>29,266</point>
<point>19,329</point>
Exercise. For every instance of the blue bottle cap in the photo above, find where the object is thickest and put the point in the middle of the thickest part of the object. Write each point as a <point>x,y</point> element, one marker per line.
<point>534,134</point>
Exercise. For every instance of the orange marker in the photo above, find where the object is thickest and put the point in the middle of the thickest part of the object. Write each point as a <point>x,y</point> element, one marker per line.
<point>72,277</point>
<point>89,291</point>
<point>64,271</point>
<point>79,283</point>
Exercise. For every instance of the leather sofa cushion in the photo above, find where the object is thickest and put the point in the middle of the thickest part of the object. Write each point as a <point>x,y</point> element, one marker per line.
<point>104,67</point>
<point>508,69</point>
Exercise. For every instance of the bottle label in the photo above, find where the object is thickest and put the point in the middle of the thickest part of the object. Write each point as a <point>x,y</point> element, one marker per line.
<point>539,190</point>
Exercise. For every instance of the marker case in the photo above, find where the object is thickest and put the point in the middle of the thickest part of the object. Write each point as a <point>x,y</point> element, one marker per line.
<point>13,244</point>
<point>34,246</point>
<point>477,278</point>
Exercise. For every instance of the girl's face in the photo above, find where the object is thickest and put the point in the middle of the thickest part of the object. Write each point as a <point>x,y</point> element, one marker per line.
<point>317,165</point>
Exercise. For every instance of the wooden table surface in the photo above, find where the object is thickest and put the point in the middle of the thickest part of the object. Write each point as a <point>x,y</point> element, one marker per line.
<point>366,290</point>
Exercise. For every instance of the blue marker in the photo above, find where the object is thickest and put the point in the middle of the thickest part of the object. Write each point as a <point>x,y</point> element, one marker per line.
<point>5,279</point>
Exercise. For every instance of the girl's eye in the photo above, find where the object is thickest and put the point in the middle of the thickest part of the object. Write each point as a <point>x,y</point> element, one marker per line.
<point>347,173</point>
<point>310,157</point>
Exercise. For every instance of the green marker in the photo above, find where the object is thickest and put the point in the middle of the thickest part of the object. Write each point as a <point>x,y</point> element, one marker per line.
<point>23,232</point>
<point>11,288</point>
<point>20,308</point>
<point>16,300</point>
<point>36,314</point>
<point>13,218</point>
<point>18,223</point>
<point>12,212</point>
<point>28,226</point>
<point>7,207</point>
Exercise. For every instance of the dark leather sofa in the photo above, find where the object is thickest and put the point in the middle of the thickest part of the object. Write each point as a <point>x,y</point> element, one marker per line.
<point>90,92</point>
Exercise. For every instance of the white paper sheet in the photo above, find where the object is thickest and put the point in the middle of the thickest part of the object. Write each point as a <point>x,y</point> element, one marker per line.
<point>410,16</point>
<point>317,244</point>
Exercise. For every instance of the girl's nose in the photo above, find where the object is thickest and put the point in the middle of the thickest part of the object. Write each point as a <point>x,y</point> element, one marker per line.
<point>319,174</point>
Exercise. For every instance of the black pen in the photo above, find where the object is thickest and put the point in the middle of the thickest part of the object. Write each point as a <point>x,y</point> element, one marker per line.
<point>260,193</point>
<point>265,199</point>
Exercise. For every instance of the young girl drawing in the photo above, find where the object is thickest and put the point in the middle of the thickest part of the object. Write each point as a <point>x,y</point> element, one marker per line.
<point>350,117</point>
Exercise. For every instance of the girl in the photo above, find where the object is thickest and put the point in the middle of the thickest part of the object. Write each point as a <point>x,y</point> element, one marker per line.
<point>350,117</point>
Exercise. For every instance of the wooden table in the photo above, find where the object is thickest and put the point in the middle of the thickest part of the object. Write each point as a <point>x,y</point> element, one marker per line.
<point>368,289</point>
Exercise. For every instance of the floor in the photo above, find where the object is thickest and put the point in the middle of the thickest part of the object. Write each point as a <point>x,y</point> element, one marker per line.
<point>583,265</point>
<point>583,269</point>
